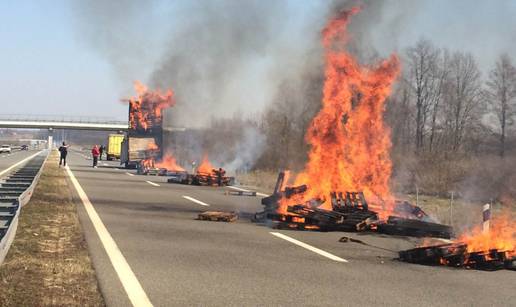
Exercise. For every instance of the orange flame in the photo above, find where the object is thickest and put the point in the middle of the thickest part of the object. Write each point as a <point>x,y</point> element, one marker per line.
<point>205,167</point>
<point>170,163</point>
<point>146,108</point>
<point>350,143</point>
<point>145,112</point>
<point>501,235</point>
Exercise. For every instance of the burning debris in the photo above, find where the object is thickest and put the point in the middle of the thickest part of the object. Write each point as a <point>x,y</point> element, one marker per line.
<point>457,255</point>
<point>482,248</point>
<point>349,212</point>
<point>206,174</point>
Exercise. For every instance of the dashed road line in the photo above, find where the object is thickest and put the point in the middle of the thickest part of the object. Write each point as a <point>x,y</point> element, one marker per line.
<point>131,285</point>
<point>152,183</point>
<point>129,174</point>
<point>196,201</point>
<point>308,247</point>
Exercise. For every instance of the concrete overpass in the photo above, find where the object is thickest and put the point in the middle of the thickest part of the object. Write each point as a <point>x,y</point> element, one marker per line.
<point>55,122</point>
<point>69,122</point>
<point>77,123</point>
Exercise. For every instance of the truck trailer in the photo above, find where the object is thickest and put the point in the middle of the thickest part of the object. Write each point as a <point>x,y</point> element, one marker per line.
<point>114,146</point>
<point>135,149</point>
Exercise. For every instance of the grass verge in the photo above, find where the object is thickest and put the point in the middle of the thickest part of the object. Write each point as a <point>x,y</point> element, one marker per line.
<point>48,262</point>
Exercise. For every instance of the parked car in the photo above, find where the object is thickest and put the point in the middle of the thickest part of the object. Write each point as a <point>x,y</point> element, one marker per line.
<point>5,149</point>
<point>24,147</point>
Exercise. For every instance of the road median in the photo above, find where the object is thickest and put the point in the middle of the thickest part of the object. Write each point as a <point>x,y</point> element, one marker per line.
<point>48,262</point>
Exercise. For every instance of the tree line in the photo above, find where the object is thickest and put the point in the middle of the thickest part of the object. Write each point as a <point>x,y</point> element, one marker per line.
<point>452,127</point>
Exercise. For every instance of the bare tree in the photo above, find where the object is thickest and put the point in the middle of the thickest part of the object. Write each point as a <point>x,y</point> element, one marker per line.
<point>462,102</point>
<point>422,61</point>
<point>441,73</point>
<point>501,92</point>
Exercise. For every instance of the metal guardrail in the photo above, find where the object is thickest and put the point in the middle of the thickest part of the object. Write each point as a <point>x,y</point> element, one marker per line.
<point>7,236</point>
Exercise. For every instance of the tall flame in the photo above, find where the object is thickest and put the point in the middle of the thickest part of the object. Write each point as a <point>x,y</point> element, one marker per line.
<point>350,143</point>
<point>147,106</point>
<point>205,167</point>
<point>170,163</point>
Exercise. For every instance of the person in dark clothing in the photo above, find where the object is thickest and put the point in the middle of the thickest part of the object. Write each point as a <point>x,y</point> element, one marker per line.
<point>101,150</point>
<point>63,150</point>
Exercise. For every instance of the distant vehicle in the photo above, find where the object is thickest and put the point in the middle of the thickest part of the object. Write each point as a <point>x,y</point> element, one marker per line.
<point>114,146</point>
<point>5,149</point>
<point>24,147</point>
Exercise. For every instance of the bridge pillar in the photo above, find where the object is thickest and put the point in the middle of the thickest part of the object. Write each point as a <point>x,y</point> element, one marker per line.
<point>50,138</point>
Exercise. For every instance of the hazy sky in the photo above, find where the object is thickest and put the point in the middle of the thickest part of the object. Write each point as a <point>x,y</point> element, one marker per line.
<point>46,67</point>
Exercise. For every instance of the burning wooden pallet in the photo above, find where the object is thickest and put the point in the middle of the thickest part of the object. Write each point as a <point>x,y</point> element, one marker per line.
<point>218,216</point>
<point>199,179</point>
<point>349,212</point>
<point>327,220</point>
<point>456,255</point>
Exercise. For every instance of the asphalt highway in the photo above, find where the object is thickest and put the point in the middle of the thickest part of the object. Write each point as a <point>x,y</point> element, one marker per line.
<point>179,260</point>
<point>7,160</point>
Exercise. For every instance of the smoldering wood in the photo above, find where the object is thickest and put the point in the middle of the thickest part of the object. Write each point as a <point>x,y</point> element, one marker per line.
<point>218,216</point>
<point>456,255</point>
<point>416,228</point>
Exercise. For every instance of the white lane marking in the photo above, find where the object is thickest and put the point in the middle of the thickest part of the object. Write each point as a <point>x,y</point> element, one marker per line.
<point>129,174</point>
<point>132,286</point>
<point>308,247</point>
<point>196,201</point>
<point>19,162</point>
<point>244,190</point>
<point>152,183</point>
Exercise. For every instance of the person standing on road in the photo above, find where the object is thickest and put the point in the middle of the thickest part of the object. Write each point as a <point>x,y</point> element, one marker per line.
<point>95,152</point>
<point>63,150</point>
<point>101,150</point>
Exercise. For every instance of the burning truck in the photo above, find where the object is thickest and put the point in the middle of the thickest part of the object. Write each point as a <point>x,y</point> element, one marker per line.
<point>142,147</point>
<point>145,136</point>
<point>205,174</point>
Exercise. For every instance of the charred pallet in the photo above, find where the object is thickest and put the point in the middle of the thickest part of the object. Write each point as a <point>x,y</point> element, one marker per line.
<point>198,179</point>
<point>333,220</point>
<point>348,201</point>
<point>218,216</point>
<point>456,255</point>
<point>414,228</point>
<point>241,193</point>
